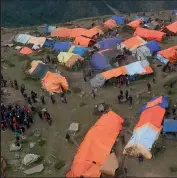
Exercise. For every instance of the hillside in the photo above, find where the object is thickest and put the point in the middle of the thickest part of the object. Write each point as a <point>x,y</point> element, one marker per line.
<point>15,13</point>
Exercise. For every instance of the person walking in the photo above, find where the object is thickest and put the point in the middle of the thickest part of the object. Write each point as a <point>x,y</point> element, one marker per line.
<point>16,84</point>
<point>22,89</point>
<point>130,100</point>
<point>52,99</point>
<point>149,86</point>
<point>154,81</point>
<point>42,99</point>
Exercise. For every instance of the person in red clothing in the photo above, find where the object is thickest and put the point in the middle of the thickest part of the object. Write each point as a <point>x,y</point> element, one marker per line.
<point>47,117</point>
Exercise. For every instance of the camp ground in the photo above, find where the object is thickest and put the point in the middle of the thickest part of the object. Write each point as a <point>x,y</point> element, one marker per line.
<point>110,88</point>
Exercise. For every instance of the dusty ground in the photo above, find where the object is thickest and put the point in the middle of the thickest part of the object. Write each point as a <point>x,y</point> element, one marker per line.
<point>64,115</point>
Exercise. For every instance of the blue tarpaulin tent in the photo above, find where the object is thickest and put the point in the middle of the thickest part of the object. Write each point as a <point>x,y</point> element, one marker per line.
<point>40,71</point>
<point>163,104</point>
<point>62,46</point>
<point>79,50</point>
<point>174,12</point>
<point>109,43</point>
<point>145,18</point>
<point>119,19</point>
<point>170,125</point>
<point>49,43</point>
<point>153,46</point>
<point>49,29</point>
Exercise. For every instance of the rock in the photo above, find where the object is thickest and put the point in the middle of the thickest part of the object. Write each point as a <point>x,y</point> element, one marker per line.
<point>32,144</point>
<point>35,169</point>
<point>14,162</point>
<point>30,158</point>
<point>17,156</point>
<point>74,127</point>
<point>13,147</point>
<point>100,107</point>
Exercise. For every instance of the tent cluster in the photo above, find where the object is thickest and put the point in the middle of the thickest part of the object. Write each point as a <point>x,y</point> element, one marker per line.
<point>51,82</point>
<point>148,128</point>
<point>96,146</point>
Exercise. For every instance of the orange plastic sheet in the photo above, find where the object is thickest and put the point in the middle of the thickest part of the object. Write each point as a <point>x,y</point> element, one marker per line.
<point>135,23</point>
<point>134,42</point>
<point>114,72</point>
<point>110,24</point>
<point>26,50</point>
<point>53,82</point>
<point>82,41</point>
<point>90,33</point>
<point>99,29</point>
<point>61,32</point>
<point>170,54</point>
<point>172,27</point>
<point>75,32</point>
<point>148,70</point>
<point>149,34</point>
<point>152,115</point>
<point>96,146</point>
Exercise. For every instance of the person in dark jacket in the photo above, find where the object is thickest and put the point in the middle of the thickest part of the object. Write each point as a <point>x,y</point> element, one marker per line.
<point>16,84</point>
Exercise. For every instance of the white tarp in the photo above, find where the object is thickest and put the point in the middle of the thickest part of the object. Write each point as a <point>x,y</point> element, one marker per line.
<point>22,38</point>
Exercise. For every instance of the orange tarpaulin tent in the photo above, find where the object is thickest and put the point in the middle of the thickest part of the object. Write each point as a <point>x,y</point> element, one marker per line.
<point>61,32</point>
<point>170,54</point>
<point>153,115</point>
<point>114,72</point>
<point>53,82</point>
<point>26,50</point>
<point>75,32</point>
<point>148,70</point>
<point>135,23</point>
<point>110,24</point>
<point>83,41</point>
<point>90,33</point>
<point>172,27</point>
<point>134,42</point>
<point>96,146</point>
<point>149,34</point>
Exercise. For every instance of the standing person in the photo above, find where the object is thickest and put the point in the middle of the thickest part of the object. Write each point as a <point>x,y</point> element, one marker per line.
<point>126,94</point>
<point>33,96</point>
<point>63,98</point>
<point>5,83</point>
<point>40,114</point>
<point>93,92</point>
<point>140,158</point>
<point>16,84</point>
<point>42,99</point>
<point>29,100</point>
<point>52,99</point>
<point>47,117</point>
<point>174,110</point>
<point>154,81</point>
<point>149,86</point>
<point>119,99</point>
<point>11,84</point>
<point>22,89</point>
<point>130,100</point>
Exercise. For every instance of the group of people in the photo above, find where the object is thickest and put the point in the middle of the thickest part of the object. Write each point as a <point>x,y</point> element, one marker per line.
<point>127,97</point>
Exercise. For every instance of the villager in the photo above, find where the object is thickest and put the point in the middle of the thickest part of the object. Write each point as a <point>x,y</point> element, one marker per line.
<point>174,110</point>
<point>5,82</point>
<point>67,137</point>
<point>149,86</point>
<point>22,89</point>
<point>11,84</point>
<point>29,100</point>
<point>140,158</point>
<point>16,84</point>
<point>40,114</point>
<point>47,117</point>
<point>42,99</point>
<point>130,100</point>
<point>52,99</point>
<point>63,98</point>
<point>119,98</point>
<point>126,94</point>
<point>154,81</point>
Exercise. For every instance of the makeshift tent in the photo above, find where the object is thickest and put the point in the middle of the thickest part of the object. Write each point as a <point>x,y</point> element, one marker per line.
<point>39,41</point>
<point>136,23</point>
<point>22,38</point>
<point>77,32</point>
<point>169,125</point>
<point>62,46</point>
<point>78,50</point>
<point>61,33</point>
<point>169,54</point>
<point>69,59</point>
<point>26,50</point>
<point>120,20</point>
<point>101,60</point>
<point>90,33</point>
<point>35,47</point>
<point>174,12</point>
<point>149,34</point>
<point>110,24</point>
<point>162,101</point>
<point>108,43</point>
<point>82,41</point>
<point>100,29</point>
<point>52,83</point>
<point>96,146</point>
<point>142,141</point>
<point>172,27</point>
<point>49,29</point>
<point>132,43</point>
<point>144,18</point>
<point>153,46</point>
<point>49,44</point>
<point>39,70</point>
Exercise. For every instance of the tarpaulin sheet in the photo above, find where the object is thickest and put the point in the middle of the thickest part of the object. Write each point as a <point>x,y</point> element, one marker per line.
<point>75,32</point>
<point>153,115</point>
<point>61,32</point>
<point>22,38</point>
<point>90,33</point>
<point>37,40</point>
<point>96,146</point>
<point>134,42</point>
<point>62,46</point>
<point>78,50</point>
<point>162,59</point>
<point>82,41</point>
<point>170,54</point>
<point>49,29</point>
<point>108,43</point>
<point>52,83</point>
<point>120,20</point>
<point>149,34</point>
<point>144,18</point>
<point>169,125</point>
<point>26,50</point>
<point>148,70</point>
<point>110,24</point>
<point>49,43</point>
<point>153,46</point>
<point>142,141</point>
<point>135,23</point>
<point>135,68</point>
<point>172,27</point>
